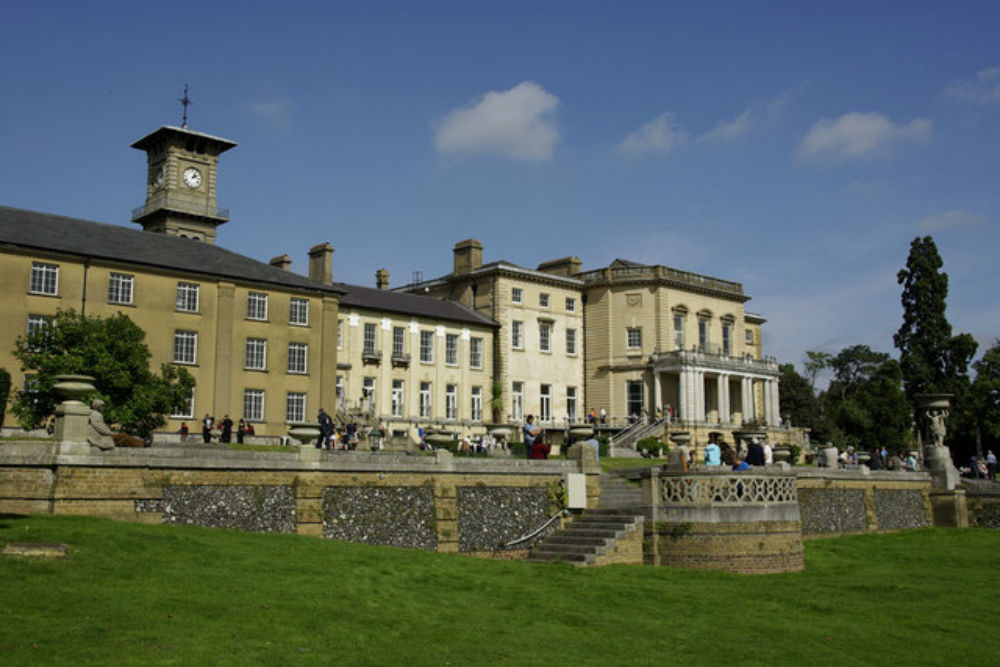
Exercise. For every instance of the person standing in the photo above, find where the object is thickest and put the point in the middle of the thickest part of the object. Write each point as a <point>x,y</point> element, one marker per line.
<point>325,430</point>
<point>531,433</point>
<point>241,430</point>
<point>226,426</point>
<point>991,464</point>
<point>206,427</point>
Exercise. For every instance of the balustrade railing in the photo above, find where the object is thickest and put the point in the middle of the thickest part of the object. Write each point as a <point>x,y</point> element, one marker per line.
<point>725,488</point>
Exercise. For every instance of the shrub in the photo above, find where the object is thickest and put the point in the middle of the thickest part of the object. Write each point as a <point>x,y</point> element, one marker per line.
<point>794,451</point>
<point>654,445</point>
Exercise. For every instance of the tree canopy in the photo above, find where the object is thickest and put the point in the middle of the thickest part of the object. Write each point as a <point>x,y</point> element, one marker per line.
<point>113,351</point>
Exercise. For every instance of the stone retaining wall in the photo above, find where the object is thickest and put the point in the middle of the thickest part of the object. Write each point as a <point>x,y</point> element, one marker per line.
<point>436,502</point>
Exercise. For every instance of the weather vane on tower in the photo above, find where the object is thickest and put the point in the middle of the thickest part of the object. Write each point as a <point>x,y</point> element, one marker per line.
<point>185,101</point>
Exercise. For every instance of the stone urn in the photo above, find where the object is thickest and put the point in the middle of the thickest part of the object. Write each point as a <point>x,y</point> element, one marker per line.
<point>782,454</point>
<point>580,432</point>
<point>681,438</point>
<point>306,434</point>
<point>73,387</point>
<point>864,458</point>
<point>439,439</point>
<point>501,433</point>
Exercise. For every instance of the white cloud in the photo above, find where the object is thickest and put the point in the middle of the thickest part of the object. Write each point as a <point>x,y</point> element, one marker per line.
<point>660,135</point>
<point>730,130</point>
<point>516,123</point>
<point>983,87</point>
<point>954,219</point>
<point>275,112</point>
<point>858,135</point>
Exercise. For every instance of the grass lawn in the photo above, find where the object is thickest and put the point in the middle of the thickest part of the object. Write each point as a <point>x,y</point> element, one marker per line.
<point>135,594</point>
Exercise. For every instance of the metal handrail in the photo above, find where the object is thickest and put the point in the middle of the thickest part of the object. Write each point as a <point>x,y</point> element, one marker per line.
<point>536,532</point>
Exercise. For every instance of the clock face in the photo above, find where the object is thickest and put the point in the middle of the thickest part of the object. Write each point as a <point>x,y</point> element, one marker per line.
<point>192,177</point>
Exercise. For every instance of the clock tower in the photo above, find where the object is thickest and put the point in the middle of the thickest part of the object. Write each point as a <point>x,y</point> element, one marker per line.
<point>180,184</point>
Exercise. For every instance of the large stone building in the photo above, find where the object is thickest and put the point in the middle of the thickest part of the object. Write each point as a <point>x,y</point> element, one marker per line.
<point>485,343</point>
<point>538,349</point>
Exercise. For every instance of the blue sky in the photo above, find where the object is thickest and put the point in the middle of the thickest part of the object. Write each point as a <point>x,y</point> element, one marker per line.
<point>796,147</point>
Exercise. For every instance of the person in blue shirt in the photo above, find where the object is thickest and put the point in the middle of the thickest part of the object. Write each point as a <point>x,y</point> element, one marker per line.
<point>740,464</point>
<point>713,455</point>
<point>531,433</point>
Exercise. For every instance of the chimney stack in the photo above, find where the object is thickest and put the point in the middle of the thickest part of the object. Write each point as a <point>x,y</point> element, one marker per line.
<point>283,262</point>
<point>382,279</point>
<point>468,255</point>
<point>321,263</point>
<point>565,266</point>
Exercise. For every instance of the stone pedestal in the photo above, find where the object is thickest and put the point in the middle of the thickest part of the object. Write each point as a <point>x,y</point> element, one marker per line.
<point>827,457</point>
<point>678,457</point>
<point>950,508</point>
<point>938,462</point>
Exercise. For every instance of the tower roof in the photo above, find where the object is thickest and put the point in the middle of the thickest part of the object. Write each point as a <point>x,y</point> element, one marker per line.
<point>169,132</point>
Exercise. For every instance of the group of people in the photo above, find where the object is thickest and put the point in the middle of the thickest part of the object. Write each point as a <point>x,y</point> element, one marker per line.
<point>718,452</point>
<point>981,468</point>
<point>594,418</point>
<point>224,426</point>
<point>331,437</point>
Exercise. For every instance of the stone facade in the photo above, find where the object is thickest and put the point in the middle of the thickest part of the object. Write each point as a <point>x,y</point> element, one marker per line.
<point>835,502</point>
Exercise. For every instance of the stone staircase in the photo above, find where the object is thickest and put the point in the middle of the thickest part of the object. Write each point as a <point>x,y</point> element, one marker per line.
<point>610,534</point>
<point>617,493</point>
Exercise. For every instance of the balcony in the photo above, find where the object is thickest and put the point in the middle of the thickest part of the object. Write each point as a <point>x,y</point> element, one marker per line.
<point>181,204</point>
<point>711,356</point>
<point>400,360</point>
<point>371,357</point>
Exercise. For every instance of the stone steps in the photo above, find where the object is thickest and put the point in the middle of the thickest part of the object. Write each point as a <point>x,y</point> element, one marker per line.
<point>590,535</point>
<point>617,493</point>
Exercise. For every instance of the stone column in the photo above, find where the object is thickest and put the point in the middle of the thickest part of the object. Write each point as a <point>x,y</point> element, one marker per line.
<point>746,398</point>
<point>775,404</point>
<point>657,392</point>
<point>768,403</point>
<point>723,384</point>
<point>699,393</point>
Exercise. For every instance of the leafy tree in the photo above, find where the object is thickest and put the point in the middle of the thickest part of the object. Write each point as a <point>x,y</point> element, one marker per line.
<point>865,403</point>
<point>986,395</point>
<point>4,392</point>
<point>931,359</point>
<point>798,400</point>
<point>816,362</point>
<point>113,351</point>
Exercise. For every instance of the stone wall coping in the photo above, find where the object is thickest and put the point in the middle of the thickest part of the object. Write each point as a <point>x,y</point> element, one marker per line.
<point>47,453</point>
<point>861,475</point>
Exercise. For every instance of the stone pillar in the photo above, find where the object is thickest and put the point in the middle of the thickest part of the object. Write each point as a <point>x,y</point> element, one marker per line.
<point>699,396</point>
<point>72,415</point>
<point>657,392</point>
<point>684,411</point>
<point>768,403</point>
<point>724,411</point>
<point>746,398</point>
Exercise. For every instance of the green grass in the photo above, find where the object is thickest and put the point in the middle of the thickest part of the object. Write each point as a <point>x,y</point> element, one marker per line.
<point>134,594</point>
<point>608,463</point>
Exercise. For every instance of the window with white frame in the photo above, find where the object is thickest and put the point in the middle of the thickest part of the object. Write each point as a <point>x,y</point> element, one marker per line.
<point>748,336</point>
<point>570,304</point>
<point>120,288</point>
<point>187,297</point>
<point>340,334</point>
<point>298,357</point>
<point>36,325</point>
<point>185,347</point>
<point>545,402</point>
<point>186,410</point>
<point>425,400</point>
<point>398,341</point>
<point>44,278</point>
<point>369,343</point>
<point>517,401</point>
<point>727,339</point>
<point>253,405</point>
<point>570,341</point>
<point>427,347</point>
<point>397,398</point>
<point>678,332</point>
<point>702,334</point>
<point>256,306</point>
<point>256,354</point>
<point>516,295</point>
<point>517,335</point>
<point>633,338</point>
<point>544,336</point>
<point>476,404</point>
<point>339,390</point>
<point>298,311</point>
<point>295,407</point>
<point>571,404</point>
<point>476,352</point>
<point>543,300</point>
<point>451,401</point>
<point>368,390</point>
<point>451,349</point>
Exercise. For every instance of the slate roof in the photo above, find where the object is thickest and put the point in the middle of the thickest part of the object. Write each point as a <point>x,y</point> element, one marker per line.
<point>410,304</point>
<point>32,230</point>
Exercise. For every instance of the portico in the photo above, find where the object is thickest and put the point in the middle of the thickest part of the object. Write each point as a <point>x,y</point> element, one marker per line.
<point>714,388</point>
